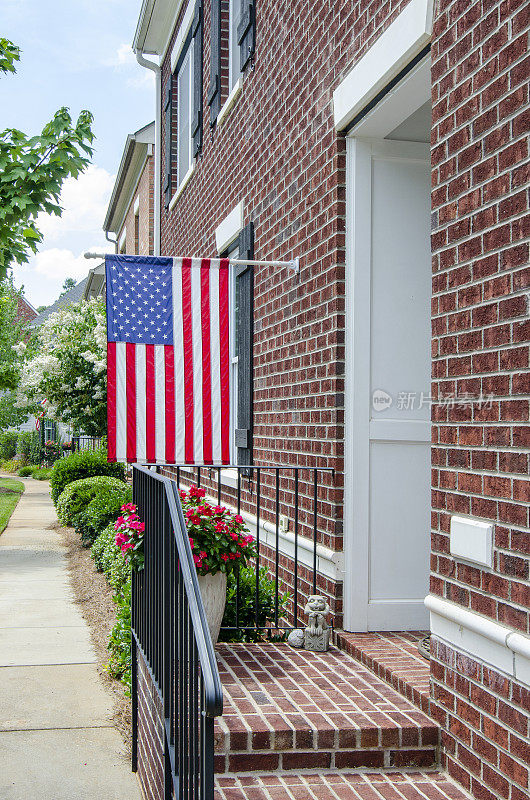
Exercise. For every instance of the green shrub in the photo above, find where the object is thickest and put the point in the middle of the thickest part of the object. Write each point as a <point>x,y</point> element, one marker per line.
<point>82,465</point>
<point>36,451</point>
<point>109,559</point>
<point>247,609</point>
<point>119,644</point>
<point>24,443</point>
<point>41,473</point>
<point>78,494</point>
<point>24,472</point>
<point>11,465</point>
<point>8,445</point>
<point>101,511</point>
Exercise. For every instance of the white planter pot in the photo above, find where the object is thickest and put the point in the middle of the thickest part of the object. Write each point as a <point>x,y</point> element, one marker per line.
<point>213,591</point>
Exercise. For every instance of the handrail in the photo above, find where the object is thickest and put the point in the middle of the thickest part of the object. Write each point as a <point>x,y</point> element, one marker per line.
<point>212,682</point>
<point>170,630</point>
<point>203,640</point>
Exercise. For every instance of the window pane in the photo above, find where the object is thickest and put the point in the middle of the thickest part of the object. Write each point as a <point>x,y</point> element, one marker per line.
<point>184,102</point>
<point>235,14</point>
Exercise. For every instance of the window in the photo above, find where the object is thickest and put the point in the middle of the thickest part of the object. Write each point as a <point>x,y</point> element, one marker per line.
<point>184,85</point>
<point>234,16</point>
<point>234,357</point>
<point>182,105</point>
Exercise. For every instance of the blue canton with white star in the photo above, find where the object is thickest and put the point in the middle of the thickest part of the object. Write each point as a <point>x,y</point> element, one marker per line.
<point>139,299</point>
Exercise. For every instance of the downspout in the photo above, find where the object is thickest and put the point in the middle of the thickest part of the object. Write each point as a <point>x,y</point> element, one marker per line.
<point>107,237</point>
<point>144,62</point>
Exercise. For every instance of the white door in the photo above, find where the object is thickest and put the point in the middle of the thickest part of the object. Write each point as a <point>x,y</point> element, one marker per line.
<point>387,538</point>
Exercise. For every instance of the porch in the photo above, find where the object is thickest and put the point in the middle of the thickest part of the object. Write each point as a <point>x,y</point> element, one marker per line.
<point>261,719</point>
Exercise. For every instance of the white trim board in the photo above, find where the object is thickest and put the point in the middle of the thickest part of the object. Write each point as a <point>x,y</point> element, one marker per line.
<point>504,648</point>
<point>394,49</point>
<point>228,230</point>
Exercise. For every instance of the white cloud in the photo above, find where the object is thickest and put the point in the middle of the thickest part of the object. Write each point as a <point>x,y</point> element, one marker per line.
<point>124,56</point>
<point>84,201</point>
<point>124,60</point>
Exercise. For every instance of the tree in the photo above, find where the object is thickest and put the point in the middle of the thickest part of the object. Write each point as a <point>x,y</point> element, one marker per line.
<point>32,171</point>
<point>12,332</point>
<point>68,284</point>
<point>68,367</point>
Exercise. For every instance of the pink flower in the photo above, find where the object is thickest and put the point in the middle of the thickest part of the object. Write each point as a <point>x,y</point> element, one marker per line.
<point>129,507</point>
<point>192,543</point>
<point>182,494</point>
<point>194,519</point>
<point>202,554</point>
<point>238,518</point>
<point>220,527</point>
<point>248,539</point>
<point>198,561</point>
<point>190,513</point>
<point>120,541</point>
<point>232,556</point>
<point>234,536</point>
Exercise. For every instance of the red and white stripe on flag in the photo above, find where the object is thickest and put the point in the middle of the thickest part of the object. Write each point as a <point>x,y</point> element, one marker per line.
<point>170,403</point>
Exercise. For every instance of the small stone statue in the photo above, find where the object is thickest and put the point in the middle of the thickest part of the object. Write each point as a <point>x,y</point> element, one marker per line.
<point>316,635</point>
<point>296,638</point>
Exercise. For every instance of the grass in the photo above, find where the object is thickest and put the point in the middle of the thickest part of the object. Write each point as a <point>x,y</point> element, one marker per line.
<point>10,491</point>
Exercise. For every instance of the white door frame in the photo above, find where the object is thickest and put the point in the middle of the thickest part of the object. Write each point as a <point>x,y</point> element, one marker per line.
<point>412,92</point>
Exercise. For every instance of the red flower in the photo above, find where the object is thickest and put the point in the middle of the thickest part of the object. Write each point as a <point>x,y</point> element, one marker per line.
<point>238,518</point>
<point>224,557</point>
<point>192,543</point>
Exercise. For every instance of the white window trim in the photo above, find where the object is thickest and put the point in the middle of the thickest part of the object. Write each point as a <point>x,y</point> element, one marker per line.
<point>226,235</point>
<point>121,241</point>
<point>186,178</point>
<point>394,49</point>
<point>182,185</point>
<point>181,35</point>
<point>136,207</point>
<point>232,44</point>
<point>230,101</point>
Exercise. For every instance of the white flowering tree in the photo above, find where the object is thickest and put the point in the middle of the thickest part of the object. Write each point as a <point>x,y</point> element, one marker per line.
<point>68,368</point>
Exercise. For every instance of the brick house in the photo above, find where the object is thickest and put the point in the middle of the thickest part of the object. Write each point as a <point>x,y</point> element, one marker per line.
<point>386,146</point>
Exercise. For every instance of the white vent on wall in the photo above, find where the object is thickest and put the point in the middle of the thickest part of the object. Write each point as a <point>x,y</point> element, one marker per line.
<point>472,540</point>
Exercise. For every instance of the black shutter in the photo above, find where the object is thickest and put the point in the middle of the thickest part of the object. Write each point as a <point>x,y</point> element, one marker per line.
<point>246,32</point>
<point>214,91</point>
<point>196,122</point>
<point>167,120</point>
<point>245,341</point>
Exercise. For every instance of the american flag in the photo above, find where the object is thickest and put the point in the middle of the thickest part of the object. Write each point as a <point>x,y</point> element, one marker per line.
<point>168,360</point>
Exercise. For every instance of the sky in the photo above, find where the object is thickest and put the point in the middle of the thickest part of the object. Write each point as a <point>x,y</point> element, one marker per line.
<point>75,53</point>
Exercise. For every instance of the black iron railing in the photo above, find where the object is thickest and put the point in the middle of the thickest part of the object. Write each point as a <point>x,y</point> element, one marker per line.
<point>169,628</point>
<point>264,495</point>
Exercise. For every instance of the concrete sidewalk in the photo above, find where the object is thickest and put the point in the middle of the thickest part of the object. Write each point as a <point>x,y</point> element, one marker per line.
<point>57,741</point>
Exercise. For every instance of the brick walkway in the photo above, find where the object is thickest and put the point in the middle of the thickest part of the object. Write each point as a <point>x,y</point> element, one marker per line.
<point>289,709</point>
<point>339,786</point>
<point>394,657</point>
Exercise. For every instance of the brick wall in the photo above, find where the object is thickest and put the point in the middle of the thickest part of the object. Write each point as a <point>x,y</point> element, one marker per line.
<point>150,735</point>
<point>144,191</point>
<point>278,152</point>
<point>480,69</point>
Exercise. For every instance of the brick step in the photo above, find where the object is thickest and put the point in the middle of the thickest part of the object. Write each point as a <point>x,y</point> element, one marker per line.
<point>288,709</point>
<point>343,785</point>
<point>393,657</point>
